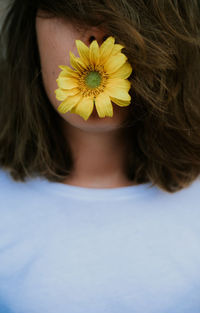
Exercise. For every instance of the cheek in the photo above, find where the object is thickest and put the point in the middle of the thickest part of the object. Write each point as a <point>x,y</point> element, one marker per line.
<point>52,54</point>
<point>55,40</point>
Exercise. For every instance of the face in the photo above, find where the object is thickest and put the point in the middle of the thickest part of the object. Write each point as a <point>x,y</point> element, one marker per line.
<point>56,37</point>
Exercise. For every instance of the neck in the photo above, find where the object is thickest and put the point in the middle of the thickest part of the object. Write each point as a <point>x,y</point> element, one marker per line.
<point>99,158</point>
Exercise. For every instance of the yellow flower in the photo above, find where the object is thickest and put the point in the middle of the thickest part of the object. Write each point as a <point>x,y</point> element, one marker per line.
<point>99,77</point>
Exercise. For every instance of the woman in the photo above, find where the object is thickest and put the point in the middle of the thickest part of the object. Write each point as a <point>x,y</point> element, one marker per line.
<point>100,215</point>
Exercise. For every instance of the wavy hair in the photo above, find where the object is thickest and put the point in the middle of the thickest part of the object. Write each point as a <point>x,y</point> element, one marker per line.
<point>162,43</point>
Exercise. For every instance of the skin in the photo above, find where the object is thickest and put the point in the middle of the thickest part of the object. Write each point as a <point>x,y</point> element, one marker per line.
<point>98,144</point>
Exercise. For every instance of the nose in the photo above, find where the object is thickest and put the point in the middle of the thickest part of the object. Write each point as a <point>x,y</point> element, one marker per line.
<point>99,40</point>
<point>96,34</point>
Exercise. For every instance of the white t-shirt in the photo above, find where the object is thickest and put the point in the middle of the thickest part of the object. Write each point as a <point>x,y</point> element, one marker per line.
<point>69,249</point>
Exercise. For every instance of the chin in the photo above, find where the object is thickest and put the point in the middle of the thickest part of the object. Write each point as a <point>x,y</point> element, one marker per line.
<point>96,124</point>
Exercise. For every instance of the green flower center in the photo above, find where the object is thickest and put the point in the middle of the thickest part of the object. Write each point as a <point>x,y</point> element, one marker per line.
<point>93,79</point>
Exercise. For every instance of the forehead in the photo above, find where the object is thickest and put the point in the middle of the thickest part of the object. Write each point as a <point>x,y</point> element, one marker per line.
<point>87,12</point>
<point>64,21</point>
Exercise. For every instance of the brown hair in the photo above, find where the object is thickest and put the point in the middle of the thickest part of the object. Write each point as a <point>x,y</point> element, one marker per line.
<point>162,42</point>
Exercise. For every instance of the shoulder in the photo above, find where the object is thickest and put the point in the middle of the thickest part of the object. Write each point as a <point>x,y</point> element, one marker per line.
<point>9,187</point>
<point>15,195</point>
<point>21,206</point>
<point>189,195</point>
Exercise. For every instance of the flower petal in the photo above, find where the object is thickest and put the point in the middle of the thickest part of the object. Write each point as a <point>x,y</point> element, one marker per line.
<point>123,72</point>
<point>114,63</point>
<point>118,93</point>
<point>67,70</point>
<point>119,102</point>
<point>76,63</point>
<point>106,49</point>
<point>67,83</point>
<point>62,94</point>
<point>83,51</point>
<point>84,108</point>
<point>103,105</point>
<point>73,74</point>
<point>117,48</point>
<point>94,53</point>
<point>119,83</point>
<point>69,103</point>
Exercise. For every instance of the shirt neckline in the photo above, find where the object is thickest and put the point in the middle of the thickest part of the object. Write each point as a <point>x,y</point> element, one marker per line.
<point>78,192</point>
